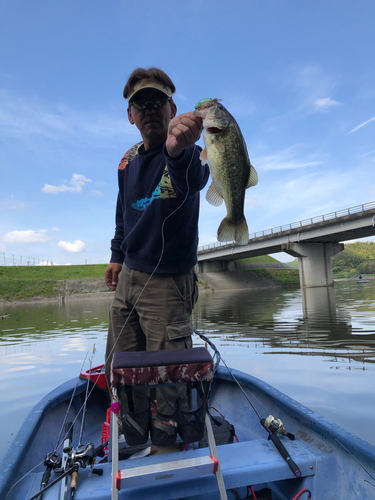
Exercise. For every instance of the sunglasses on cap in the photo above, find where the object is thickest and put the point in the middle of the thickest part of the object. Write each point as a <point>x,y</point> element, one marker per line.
<point>156,103</point>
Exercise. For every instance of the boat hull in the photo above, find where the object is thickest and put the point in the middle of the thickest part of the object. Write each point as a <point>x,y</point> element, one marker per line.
<point>331,460</point>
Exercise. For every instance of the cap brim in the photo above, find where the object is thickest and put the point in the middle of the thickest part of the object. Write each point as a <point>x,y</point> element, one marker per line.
<point>148,83</point>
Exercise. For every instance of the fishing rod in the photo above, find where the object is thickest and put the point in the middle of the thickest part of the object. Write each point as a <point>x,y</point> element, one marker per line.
<point>53,460</point>
<point>73,458</point>
<point>273,426</point>
<point>81,450</point>
<point>123,326</point>
<point>78,459</point>
<point>69,406</point>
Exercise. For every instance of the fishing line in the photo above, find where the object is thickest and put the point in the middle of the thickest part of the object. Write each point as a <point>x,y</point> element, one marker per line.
<point>243,391</point>
<point>359,463</point>
<point>144,287</point>
<point>69,406</point>
<point>157,265</point>
<point>259,416</point>
<point>58,444</point>
<point>86,398</point>
<point>241,386</point>
<point>126,321</point>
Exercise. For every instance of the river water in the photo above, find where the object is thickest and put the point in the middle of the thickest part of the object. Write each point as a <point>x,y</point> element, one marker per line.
<point>318,348</point>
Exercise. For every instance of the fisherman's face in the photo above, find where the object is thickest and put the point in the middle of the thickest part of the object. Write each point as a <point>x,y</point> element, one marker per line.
<point>152,123</point>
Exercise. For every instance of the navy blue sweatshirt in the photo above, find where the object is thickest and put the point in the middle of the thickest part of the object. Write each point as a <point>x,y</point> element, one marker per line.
<point>152,192</point>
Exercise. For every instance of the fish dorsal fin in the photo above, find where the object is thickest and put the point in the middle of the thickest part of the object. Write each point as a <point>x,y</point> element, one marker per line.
<point>203,156</point>
<point>213,196</point>
<point>253,177</point>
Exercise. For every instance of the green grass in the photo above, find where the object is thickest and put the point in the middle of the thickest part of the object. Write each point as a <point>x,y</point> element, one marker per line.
<point>23,289</point>
<point>20,282</point>
<point>285,277</point>
<point>52,272</point>
<point>261,258</point>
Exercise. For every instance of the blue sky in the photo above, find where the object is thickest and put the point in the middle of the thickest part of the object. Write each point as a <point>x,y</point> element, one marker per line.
<point>298,76</point>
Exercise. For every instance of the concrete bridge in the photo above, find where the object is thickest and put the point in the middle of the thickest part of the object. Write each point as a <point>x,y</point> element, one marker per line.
<point>314,241</point>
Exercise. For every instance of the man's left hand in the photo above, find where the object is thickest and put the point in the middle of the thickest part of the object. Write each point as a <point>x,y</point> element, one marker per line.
<point>183,131</point>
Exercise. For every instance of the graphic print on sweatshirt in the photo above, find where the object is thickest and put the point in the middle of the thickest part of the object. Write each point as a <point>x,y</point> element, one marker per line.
<point>129,156</point>
<point>163,191</point>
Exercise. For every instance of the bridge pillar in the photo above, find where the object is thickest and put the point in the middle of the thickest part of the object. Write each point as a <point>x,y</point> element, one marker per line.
<point>315,265</point>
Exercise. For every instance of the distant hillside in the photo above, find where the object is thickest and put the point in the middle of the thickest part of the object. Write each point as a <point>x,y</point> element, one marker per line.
<point>357,258</point>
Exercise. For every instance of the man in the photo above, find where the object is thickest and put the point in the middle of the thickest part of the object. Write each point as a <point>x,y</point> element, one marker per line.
<point>156,236</point>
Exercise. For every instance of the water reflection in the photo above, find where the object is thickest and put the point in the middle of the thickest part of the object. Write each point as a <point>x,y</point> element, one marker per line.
<point>317,348</point>
<point>272,318</point>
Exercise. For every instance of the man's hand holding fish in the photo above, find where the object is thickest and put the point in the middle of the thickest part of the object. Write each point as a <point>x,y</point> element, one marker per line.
<point>183,131</point>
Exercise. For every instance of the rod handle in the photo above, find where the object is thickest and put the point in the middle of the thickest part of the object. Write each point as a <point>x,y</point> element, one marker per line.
<point>284,453</point>
<point>74,480</point>
<point>46,476</point>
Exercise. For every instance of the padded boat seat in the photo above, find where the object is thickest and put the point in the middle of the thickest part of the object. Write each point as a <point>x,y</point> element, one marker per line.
<point>150,368</point>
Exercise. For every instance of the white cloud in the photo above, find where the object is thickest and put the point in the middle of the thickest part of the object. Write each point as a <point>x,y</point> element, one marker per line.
<point>77,246</point>
<point>12,203</point>
<point>361,125</point>
<point>325,103</point>
<point>95,193</point>
<point>47,263</point>
<point>27,118</point>
<point>286,159</point>
<point>367,154</point>
<point>77,183</point>
<point>29,236</point>
<point>56,229</point>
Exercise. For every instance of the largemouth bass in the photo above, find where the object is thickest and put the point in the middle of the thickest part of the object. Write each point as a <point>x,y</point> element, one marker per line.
<point>231,171</point>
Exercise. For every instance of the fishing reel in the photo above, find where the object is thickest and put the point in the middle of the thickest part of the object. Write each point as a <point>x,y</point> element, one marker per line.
<point>276,426</point>
<point>52,461</point>
<point>85,455</point>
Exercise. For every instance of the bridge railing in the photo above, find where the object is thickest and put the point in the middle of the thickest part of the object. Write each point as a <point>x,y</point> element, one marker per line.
<point>302,223</point>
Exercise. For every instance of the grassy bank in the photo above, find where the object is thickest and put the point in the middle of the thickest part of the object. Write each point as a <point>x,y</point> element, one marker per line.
<point>26,282</point>
<point>22,282</point>
<point>52,272</point>
<point>282,276</point>
<point>285,277</point>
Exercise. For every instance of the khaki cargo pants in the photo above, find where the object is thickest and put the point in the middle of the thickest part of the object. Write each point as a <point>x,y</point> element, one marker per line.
<point>161,319</point>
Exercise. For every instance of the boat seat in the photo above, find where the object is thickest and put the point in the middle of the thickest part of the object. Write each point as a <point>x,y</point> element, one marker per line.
<point>132,370</point>
<point>153,368</point>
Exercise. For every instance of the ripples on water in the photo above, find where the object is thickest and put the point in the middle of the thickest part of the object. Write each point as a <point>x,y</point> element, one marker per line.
<point>318,348</point>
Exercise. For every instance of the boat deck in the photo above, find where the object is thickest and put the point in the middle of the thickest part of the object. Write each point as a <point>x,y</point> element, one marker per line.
<point>242,464</point>
<point>323,452</point>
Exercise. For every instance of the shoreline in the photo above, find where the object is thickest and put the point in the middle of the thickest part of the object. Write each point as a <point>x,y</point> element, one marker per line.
<point>90,294</point>
<point>95,288</point>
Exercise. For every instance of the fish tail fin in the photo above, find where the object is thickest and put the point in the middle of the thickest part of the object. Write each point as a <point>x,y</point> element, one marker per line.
<point>229,231</point>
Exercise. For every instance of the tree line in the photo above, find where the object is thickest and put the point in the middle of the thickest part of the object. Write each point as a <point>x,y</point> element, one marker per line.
<point>357,258</point>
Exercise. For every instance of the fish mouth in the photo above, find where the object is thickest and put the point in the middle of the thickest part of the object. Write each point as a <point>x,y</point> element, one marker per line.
<point>213,130</point>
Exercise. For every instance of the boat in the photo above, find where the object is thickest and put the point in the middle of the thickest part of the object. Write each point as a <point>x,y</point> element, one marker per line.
<point>363,281</point>
<point>266,447</point>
